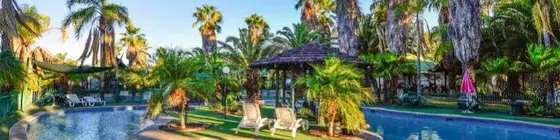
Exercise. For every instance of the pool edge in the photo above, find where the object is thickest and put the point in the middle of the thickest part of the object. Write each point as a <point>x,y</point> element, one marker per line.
<point>18,131</point>
<point>466,117</point>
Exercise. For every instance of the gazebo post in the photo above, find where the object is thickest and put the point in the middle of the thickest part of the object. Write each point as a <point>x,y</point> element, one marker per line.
<point>284,86</point>
<point>277,80</point>
<point>292,87</point>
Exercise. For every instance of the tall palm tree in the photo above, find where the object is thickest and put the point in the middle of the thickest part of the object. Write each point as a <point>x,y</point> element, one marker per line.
<point>98,19</point>
<point>209,20</point>
<point>338,87</point>
<point>347,14</point>
<point>136,53</point>
<point>301,34</point>
<point>242,52</point>
<point>257,26</point>
<point>325,15</point>
<point>177,72</point>
<point>398,18</point>
<point>35,25</point>
<point>464,30</point>
<point>11,16</point>
<point>308,12</point>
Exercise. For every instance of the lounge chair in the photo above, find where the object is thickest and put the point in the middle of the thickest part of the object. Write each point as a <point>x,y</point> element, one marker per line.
<point>252,118</point>
<point>469,103</point>
<point>72,100</point>
<point>286,120</point>
<point>91,101</point>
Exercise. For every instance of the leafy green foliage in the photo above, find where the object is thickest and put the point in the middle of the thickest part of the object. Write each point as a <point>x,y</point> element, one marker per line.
<point>338,88</point>
<point>301,34</point>
<point>389,64</point>
<point>12,73</point>
<point>502,65</point>
<point>542,59</point>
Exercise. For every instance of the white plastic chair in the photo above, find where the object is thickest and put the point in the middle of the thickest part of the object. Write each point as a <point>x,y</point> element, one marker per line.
<point>286,120</point>
<point>91,101</point>
<point>252,118</point>
<point>72,100</point>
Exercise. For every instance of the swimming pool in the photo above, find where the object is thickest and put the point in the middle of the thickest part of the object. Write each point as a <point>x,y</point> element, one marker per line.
<point>104,123</point>
<point>395,125</point>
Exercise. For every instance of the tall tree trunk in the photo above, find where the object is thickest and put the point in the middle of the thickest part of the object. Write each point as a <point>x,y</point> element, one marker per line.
<point>418,52</point>
<point>183,116</point>
<point>209,40</point>
<point>545,10</point>
<point>347,13</point>
<point>7,42</point>
<point>254,35</point>
<point>464,30</point>
<point>309,14</point>
<point>252,85</point>
<point>397,21</point>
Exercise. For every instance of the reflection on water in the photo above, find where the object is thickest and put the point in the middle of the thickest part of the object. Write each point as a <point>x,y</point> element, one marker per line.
<point>108,125</point>
<point>410,127</point>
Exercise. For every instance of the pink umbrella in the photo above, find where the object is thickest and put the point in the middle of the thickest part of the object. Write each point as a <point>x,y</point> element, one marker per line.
<point>467,86</point>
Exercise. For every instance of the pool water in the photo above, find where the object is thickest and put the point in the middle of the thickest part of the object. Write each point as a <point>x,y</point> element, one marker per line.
<point>403,126</point>
<point>86,125</point>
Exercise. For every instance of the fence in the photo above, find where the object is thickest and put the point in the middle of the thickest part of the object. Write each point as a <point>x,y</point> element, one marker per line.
<point>488,98</point>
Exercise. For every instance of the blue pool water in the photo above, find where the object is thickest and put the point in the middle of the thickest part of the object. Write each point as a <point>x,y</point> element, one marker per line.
<point>402,126</point>
<point>97,124</point>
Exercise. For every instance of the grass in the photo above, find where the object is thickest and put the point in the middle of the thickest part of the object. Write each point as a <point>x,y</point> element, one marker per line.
<point>225,129</point>
<point>7,122</point>
<point>485,113</point>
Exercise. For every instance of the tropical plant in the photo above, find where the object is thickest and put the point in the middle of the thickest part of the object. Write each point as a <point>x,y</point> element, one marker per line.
<point>100,17</point>
<point>241,52</point>
<point>337,86</point>
<point>257,26</point>
<point>308,12</point>
<point>325,15</point>
<point>390,66</point>
<point>35,25</point>
<point>370,38</point>
<point>138,79</point>
<point>347,14</point>
<point>180,78</point>
<point>209,20</point>
<point>301,34</point>
<point>12,16</point>
<point>12,75</point>
<point>137,49</point>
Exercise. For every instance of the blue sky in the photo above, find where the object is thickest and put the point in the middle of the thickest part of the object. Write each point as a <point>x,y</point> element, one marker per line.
<point>169,22</point>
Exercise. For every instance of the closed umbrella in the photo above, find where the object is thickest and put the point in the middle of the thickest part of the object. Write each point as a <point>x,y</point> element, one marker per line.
<point>468,89</point>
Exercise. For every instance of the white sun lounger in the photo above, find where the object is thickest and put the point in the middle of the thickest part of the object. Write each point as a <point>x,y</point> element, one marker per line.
<point>91,101</point>
<point>286,120</point>
<point>252,118</point>
<point>72,100</point>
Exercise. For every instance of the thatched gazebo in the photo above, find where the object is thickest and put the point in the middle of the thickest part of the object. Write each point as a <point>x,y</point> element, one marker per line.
<point>297,61</point>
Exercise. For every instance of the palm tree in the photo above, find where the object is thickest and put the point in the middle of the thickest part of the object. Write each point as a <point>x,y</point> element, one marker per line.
<point>137,79</point>
<point>11,16</point>
<point>398,18</point>
<point>100,17</point>
<point>308,12</point>
<point>209,20</point>
<point>347,14</point>
<point>338,88</point>
<point>464,30</point>
<point>257,26</point>
<point>35,25</point>
<point>242,52</point>
<point>325,15</point>
<point>301,34</point>
<point>136,52</point>
<point>178,74</point>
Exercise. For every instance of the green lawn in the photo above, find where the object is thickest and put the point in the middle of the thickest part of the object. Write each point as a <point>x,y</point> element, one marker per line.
<point>7,122</point>
<point>221,128</point>
<point>431,110</point>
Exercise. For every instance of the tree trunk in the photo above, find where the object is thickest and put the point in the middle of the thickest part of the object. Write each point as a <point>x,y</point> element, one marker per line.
<point>183,116</point>
<point>7,41</point>
<point>252,85</point>
<point>209,40</point>
<point>464,29</point>
<point>347,13</point>
<point>397,22</point>
<point>513,86</point>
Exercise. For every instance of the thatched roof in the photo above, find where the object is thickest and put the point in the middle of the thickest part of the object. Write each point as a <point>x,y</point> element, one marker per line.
<point>309,53</point>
